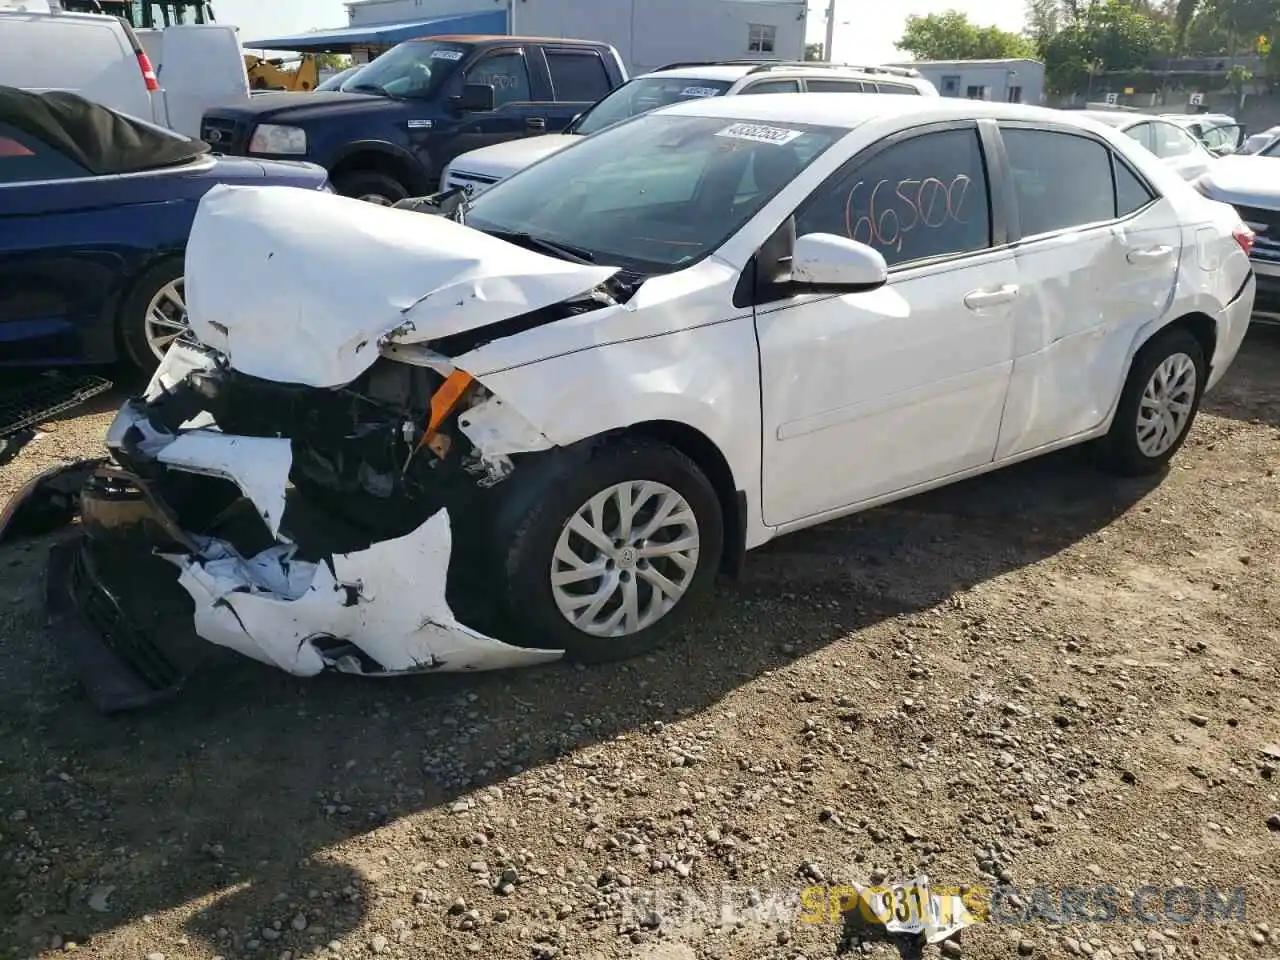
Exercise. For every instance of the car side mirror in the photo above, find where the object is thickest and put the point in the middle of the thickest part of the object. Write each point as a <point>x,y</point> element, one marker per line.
<point>475,98</point>
<point>826,261</point>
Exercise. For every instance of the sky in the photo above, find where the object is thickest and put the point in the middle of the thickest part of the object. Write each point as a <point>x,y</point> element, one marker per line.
<point>859,37</point>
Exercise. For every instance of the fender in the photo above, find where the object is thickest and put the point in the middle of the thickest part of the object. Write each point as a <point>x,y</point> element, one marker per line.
<point>399,154</point>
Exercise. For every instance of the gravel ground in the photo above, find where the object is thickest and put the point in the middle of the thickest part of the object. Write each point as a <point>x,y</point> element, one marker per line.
<point>1039,679</point>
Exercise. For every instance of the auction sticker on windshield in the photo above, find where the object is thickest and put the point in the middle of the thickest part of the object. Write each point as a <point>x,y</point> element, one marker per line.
<point>699,92</point>
<point>446,54</point>
<point>759,133</point>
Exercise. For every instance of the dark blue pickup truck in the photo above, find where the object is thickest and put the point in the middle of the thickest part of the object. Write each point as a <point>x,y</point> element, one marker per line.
<point>388,132</point>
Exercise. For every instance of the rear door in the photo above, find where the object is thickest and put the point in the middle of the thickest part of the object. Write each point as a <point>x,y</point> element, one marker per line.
<point>578,78</point>
<point>1097,251</point>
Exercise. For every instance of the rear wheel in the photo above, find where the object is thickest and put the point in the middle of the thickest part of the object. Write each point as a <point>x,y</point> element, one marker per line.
<point>370,186</point>
<point>154,315</point>
<point>1158,405</point>
<point>612,559</point>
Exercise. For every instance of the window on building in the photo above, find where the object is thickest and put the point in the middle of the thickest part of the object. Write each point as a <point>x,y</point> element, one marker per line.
<point>976,92</point>
<point>951,86</point>
<point>1015,94</point>
<point>577,75</point>
<point>761,37</point>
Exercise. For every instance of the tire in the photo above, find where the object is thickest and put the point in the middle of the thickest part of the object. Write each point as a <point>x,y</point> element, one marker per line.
<point>526,555</point>
<point>1178,354</point>
<point>150,313</point>
<point>368,184</point>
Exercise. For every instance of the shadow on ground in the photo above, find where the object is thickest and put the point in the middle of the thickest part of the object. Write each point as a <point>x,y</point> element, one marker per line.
<point>238,788</point>
<point>1251,388</point>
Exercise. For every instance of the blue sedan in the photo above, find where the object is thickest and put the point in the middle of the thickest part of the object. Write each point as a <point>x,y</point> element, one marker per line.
<point>95,209</point>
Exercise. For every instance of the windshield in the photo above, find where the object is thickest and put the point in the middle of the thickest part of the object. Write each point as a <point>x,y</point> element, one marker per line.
<point>641,96</point>
<point>417,69</point>
<point>338,79</point>
<point>654,194</point>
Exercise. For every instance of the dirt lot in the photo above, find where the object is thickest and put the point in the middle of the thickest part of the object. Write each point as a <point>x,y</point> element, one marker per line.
<point>1039,679</point>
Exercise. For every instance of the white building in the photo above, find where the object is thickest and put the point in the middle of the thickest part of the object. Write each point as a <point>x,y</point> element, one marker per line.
<point>1010,81</point>
<point>647,33</point>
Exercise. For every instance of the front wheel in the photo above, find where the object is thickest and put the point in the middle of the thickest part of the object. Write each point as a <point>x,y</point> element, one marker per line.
<point>612,559</point>
<point>154,315</point>
<point>372,187</point>
<point>1158,405</point>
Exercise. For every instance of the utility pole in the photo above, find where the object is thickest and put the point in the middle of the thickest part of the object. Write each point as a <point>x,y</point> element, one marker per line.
<point>831,31</point>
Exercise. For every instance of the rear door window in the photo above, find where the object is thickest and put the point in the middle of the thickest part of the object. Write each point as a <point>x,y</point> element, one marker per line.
<point>836,86</point>
<point>1142,133</point>
<point>1061,180</point>
<point>577,76</point>
<point>24,159</point>
<point>1171,141</point>
<point>896,88</point>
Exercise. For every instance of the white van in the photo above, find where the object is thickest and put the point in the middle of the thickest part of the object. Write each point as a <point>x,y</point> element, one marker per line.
<point>169,76</point>
<point>96,56</point>
<point>199,65</point>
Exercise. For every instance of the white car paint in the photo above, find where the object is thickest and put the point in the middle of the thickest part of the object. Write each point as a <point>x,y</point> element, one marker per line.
<point>821,405</point>
<point>1183,154</point>
<point>1249,179</point>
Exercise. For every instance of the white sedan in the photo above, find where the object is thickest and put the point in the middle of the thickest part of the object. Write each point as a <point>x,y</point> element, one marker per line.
<point>708,326</point>
<point>1169,141</point>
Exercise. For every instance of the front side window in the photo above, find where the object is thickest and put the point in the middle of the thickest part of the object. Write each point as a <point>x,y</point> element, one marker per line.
<point>1171,141</point>
<point>761,37</point>
<point>645,94</point>
<point>1060,179</point>
<point>656,193</point>
<point>923,198</point>
<point>24,159</point>
<point>417,69</point>
<point>772,86</point>
<point>506,73</point>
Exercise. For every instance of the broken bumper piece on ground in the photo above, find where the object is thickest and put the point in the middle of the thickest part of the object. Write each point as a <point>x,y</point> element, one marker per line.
<point>195,540</point>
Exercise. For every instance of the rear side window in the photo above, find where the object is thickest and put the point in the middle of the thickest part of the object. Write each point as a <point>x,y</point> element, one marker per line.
<point>1171,141</point>
<point>577,76</point>
<point>916,200</point>
<point>1142,133</point>
<point>24,159</point>
<point>896,88</point>
<point>1061,180</point>
<point>1131,193</point>
<point>835,86</point>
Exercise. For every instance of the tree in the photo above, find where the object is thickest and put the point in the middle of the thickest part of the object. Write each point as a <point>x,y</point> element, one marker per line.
<point>332,61</point>
<point>813,51</point>
<point>1110,35</point>
<point>951,36</point>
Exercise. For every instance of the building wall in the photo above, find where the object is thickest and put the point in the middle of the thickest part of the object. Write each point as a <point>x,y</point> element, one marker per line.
<point>650,33</point>
<point>364,13</point>
<point>985,80</point>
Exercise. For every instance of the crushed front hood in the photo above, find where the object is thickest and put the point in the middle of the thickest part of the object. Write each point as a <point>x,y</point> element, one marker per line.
<point>299,286</point>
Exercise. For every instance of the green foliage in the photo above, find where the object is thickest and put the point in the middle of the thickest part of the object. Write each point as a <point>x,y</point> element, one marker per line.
<point>951,36</point>
<point>1111,35</point>
<point>332,61</point>
<point>813,51</point>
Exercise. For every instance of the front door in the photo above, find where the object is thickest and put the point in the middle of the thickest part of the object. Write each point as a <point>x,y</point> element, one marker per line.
<point>507,70</point>
<point>1095,263</point>
<point>869,394</point>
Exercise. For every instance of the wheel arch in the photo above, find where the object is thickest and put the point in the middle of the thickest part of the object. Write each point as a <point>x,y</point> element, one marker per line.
<point>381,158</point>
<point>699,448</point>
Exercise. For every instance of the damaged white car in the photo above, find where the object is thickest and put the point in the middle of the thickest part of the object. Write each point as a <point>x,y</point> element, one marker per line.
<point>401,443</point>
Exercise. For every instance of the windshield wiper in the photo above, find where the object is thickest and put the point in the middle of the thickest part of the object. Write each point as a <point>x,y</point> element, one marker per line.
<point>367,87</point>
<point>565,251</point>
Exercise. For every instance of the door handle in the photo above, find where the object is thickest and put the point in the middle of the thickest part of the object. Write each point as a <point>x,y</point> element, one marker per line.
<point>1149,255</point>
<point>982,299</point>
<point>536,123</point>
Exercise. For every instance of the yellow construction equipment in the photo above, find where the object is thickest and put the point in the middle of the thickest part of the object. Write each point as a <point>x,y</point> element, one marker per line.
<point>270,74</point>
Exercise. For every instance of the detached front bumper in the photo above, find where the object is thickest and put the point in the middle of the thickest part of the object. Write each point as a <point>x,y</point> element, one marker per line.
<point>191,549</point>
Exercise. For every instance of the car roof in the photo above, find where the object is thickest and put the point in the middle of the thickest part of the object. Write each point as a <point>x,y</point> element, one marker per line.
<point>504,38</point>
<point>736,71</point>
<point>853,109</point>
<point>1119,119</point>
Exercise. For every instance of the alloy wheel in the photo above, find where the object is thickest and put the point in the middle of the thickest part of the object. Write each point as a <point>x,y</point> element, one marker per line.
<point>625,558</point>
<point>166,319</point>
